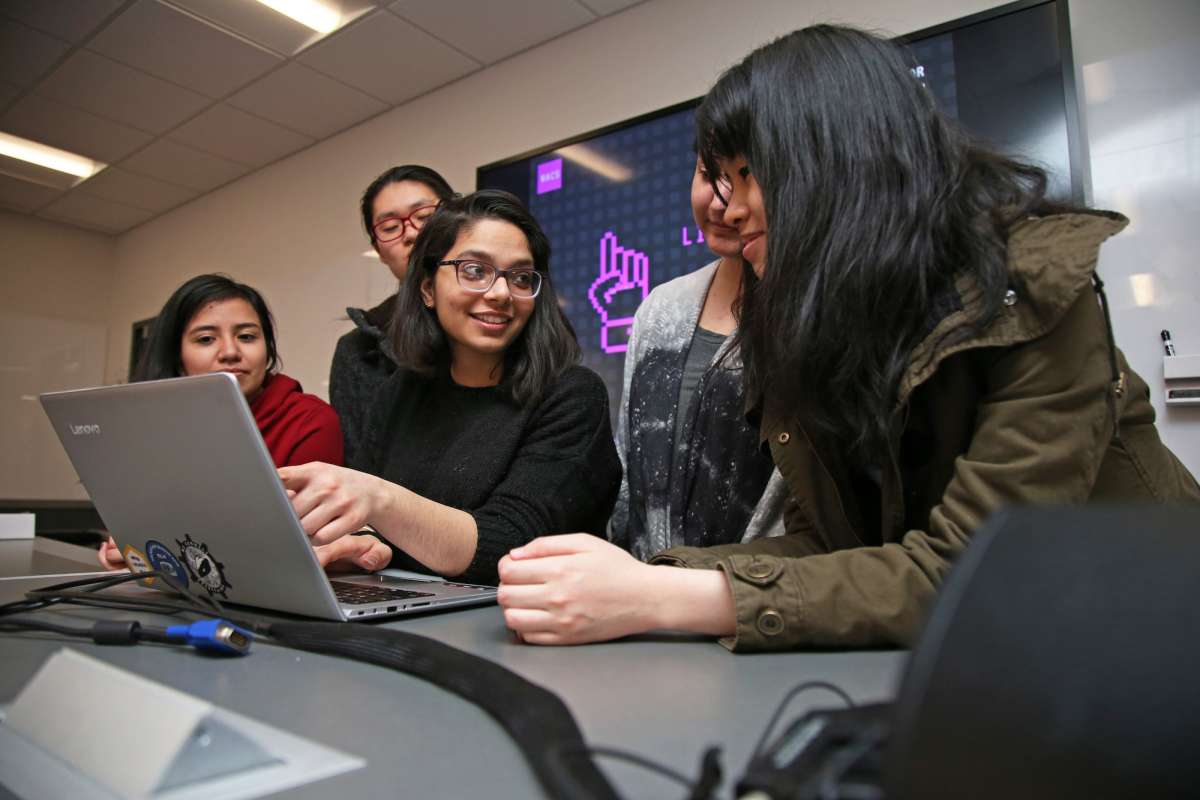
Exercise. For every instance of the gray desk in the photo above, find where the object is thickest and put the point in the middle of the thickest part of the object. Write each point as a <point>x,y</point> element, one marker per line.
<point>40,556</point>
<point>665,697</point>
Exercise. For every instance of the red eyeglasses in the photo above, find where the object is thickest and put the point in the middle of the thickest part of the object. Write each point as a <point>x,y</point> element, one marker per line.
<point>391,228</point>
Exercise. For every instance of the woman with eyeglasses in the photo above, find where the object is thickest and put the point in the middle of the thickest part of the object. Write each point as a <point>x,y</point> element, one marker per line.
<point>394,208</point>
<point>925,341</point>
<point>489,433</point>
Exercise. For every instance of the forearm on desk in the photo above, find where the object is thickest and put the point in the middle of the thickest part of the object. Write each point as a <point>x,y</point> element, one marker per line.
<point>440,537</point>
<point>693,600</point>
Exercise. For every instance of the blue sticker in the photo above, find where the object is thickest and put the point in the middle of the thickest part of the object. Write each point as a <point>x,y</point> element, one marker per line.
<point>164,560</point>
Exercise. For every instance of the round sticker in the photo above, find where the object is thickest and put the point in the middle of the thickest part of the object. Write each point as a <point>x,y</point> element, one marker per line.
<point>164,560</point>
<point>137,562</point>
<point>202,566</point>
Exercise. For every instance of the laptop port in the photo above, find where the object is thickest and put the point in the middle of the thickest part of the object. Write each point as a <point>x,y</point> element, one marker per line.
<point>391,609</point>
<point>418,605</point>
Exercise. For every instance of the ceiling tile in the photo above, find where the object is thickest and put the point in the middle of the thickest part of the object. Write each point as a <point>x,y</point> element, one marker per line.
<point>489,32</point>
<point>606,7</point>
<point>306,101</point>
<point>72,20</point>
<point>387,57</point>
<point>225,131</point>
<point>94,213</point>
<point>149,194</point>
<point>255,21</point>
<point>184,166</point>
<point>120,93</point>
<point>180,48</point>
<point>26,54</point>
<point>23,195</point>
<point>71,129</point>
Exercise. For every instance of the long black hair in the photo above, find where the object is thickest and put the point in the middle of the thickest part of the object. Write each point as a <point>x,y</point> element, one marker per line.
<point>542,350</point>
<point>161,358</point>
<point>876,205</point>
<point>407,172</point>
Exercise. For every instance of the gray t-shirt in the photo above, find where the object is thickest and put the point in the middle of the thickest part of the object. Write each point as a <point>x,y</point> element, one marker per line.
<point>704,347</point>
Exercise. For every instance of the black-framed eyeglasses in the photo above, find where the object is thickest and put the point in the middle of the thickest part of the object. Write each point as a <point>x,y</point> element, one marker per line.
<point>389,229</point>
<point>479,276</point>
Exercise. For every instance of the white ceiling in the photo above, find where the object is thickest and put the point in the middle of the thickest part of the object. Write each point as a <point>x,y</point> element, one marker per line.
<point>182,96</point>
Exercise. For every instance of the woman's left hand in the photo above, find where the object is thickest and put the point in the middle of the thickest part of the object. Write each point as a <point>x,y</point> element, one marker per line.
<point>363,551</point>
<point>330,501</point>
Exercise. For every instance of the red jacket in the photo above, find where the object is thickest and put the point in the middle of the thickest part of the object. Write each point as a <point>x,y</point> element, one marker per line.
<point>297,427</point>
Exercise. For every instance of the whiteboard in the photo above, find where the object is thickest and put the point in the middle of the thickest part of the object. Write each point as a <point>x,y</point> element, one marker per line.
<point>42,354</point>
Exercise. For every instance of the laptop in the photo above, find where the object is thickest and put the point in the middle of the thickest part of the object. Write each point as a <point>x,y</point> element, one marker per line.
<point>183,481</point>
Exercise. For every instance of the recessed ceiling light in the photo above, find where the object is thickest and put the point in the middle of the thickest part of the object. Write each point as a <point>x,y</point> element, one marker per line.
<point>48,157</point>
<point>318,16</point>
<point>370,254</point>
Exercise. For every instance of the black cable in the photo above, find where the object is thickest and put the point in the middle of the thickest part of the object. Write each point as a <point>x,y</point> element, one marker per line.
<point>101,632</point>
<point>644,763</point>
<point>787,699</point>
<point>830,776</point>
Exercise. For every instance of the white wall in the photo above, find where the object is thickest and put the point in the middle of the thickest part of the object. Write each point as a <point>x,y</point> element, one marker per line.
<point>54,314</point>
<point>1140,63</point>
<point>292,230</point>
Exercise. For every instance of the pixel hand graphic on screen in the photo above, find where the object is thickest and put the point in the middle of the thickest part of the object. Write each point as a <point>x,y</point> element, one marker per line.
<point>623,283</point>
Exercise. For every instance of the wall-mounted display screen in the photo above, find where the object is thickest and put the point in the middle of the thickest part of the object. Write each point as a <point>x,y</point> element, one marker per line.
<point>615,202</point>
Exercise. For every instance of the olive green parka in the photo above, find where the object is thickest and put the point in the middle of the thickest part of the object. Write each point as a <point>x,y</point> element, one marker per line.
<point>1039,408</point>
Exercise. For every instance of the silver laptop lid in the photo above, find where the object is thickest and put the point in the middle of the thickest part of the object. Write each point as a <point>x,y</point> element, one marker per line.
<point>177,469</point>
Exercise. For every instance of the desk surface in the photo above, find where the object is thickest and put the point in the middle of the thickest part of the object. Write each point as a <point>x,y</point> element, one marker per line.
<point>665,697</point>
<point>41,556</point>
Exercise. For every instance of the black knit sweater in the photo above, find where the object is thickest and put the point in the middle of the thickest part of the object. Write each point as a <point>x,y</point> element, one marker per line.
<point>521,472</point>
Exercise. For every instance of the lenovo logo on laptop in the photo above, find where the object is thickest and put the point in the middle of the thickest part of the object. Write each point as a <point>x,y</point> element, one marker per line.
<point>84,430</point>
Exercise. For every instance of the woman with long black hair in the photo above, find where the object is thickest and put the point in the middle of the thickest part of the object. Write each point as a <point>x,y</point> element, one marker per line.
<point>924,339</point>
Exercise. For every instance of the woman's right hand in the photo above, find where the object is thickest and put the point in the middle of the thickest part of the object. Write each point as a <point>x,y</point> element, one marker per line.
<point>331,501</point>
<point>110,556</point>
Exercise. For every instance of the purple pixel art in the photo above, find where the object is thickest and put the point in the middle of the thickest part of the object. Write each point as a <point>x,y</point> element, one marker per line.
<point>623,284</point>
<point>549,176</point>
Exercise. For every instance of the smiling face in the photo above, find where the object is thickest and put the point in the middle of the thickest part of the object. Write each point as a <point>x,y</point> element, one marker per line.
<point>746,212</point>
<point>709,212</point>
<point>480,326</point>
<point>394,201</point>
<point>226,336</point>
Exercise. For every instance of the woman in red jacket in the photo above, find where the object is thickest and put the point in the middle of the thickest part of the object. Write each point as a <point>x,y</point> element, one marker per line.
<point>214,324</point>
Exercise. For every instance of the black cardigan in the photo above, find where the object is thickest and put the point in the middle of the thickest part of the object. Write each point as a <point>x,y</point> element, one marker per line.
<point>521,472</point>
<point>362,362</point>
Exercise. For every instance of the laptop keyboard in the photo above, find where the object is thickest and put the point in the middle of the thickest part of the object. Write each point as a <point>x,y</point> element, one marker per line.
<point>356,594</point>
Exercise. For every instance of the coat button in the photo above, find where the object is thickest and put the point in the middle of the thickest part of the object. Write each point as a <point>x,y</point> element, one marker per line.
<point>770,622</point>
<point>758,569</point>
<point>1010,298</point>
<point>785,437</point>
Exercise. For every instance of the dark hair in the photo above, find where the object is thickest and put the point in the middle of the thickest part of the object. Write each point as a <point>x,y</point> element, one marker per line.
<point>876,204</point>
<point>408,172</point>
<point>541,351</point>
<point>161,358</point>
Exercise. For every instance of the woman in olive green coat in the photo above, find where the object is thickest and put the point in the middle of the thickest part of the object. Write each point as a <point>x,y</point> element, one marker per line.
<point>925,340</point>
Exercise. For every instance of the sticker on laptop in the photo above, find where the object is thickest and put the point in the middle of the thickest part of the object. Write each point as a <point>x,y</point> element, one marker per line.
<point>164,560</point>
<point>137,562</point>
<point>204,569</point>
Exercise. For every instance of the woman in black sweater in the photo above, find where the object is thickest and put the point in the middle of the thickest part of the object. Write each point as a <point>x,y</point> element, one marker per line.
<point>489,435</point>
